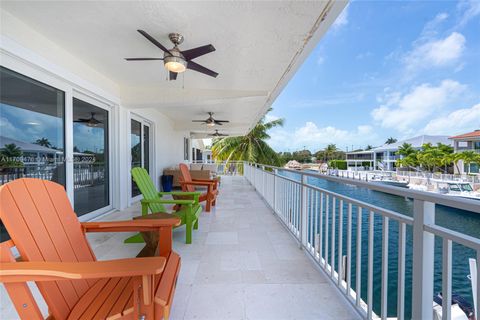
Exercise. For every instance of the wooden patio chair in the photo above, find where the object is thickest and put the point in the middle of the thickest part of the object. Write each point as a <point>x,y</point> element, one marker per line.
<point>188,209</point>
<point>188,185</point>
<point>55,254</point>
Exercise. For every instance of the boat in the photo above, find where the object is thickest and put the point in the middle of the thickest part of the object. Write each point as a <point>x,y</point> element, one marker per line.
<point>448,188</point>
<point>460,309</point>
<point>457,189</point>
<point>388,179</point>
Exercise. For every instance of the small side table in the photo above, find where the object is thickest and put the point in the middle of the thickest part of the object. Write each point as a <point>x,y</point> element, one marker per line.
<point>151,238</point>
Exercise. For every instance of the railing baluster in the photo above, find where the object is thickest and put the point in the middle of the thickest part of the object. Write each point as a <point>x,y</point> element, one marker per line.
<point>402,230</point>
<point>340,244</point>
<point>311,218</point>
<point>332,242</point>
<point>447,279</point>
<point>315,228</point>
<point>358,277</point>
<point>326,231</point>
<point>320,233</point>
<point>370,266</point>
<point>348,264</point>
<point>477,276</point>
<point>384,300</point>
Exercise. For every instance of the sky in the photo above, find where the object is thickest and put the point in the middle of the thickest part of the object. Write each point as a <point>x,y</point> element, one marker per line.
<point>385,69</point>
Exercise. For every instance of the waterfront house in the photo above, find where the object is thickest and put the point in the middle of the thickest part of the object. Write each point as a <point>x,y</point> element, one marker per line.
<point>467,142</point>
<point>270,248</point>
<point>385,157</point>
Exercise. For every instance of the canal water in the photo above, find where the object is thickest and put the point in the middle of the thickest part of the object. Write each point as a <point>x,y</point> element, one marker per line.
<point>455,219</point>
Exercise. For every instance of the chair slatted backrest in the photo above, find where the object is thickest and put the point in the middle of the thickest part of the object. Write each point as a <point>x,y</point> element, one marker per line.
<point>147,188</point>
<point>41,223</point>
<point>186,177</point>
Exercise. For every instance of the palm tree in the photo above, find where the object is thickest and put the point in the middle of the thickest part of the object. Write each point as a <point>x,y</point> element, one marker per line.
<point>406,149</point>
<point>251,147</point>
<point>369,147</point>
<point>11,151</point>
<point>330,151</point>
<point>390,140</point>
<point>44,142</point>
<point>468,157</point>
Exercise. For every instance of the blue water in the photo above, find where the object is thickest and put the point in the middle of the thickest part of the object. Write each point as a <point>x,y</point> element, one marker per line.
<point>455,219</point>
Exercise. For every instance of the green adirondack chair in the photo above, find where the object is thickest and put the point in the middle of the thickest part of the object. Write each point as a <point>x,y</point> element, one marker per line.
<point>152,201</point>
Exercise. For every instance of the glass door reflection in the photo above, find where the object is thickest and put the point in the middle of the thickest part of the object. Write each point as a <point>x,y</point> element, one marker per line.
<point>136,150</point>
<point>91,163</point>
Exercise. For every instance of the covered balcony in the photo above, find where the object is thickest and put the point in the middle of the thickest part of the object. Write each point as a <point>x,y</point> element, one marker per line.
<point>279,244</point>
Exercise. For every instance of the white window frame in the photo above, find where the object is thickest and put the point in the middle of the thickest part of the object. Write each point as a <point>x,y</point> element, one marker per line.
<point>39,73</point>
<point>152,170</point>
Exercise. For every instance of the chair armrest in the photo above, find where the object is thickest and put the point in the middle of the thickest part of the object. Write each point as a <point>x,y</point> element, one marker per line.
<point>130,225</point>
<point>180,193</point>
<point>205,180</point>
<point>54,271</point>
<point>169,201</point>
<point>198,183</point>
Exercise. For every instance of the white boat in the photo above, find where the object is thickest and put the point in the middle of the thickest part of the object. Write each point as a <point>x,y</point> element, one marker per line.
<point>448,188</point>
<point>457,189</point>
<point>460,309</point>
<point>388,179</point>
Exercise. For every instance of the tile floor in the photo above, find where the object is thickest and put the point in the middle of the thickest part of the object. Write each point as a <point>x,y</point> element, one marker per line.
<point>242,265</point>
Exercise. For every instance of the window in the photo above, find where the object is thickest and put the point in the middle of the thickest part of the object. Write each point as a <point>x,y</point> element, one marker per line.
<point>32,130</point>
<point>90,154</point>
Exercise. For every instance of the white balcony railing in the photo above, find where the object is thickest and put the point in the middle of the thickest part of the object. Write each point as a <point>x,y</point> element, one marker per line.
<point>332,228</point>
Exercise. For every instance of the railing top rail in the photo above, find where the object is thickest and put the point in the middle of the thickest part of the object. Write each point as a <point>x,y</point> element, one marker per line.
<point>459,203</point>
<point>455,236</point>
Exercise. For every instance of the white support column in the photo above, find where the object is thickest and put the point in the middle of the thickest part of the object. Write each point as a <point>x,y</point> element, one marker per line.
<point>423,254</point>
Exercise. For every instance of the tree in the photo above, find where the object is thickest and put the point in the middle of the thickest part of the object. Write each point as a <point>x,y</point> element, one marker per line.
<point>369,147</point>
<point>251,147</point>
<point>44,142</point>
<point>9,155</point>
<point>390,140</point>
<point>468,157</point>
<point>405,150</point>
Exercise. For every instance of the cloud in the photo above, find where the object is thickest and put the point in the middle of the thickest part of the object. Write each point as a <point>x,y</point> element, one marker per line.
<point>435,52</point>
<point>270,117</point>
<point>468,9</point>
<point>315,138</point>
<point>401,112</point>
<point>320,60</point>
<point>456,122</point>
<point>342,19</point>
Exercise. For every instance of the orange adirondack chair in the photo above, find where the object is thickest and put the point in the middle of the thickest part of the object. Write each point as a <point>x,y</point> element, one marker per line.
<point>188,185</point>
<point>56,255</point>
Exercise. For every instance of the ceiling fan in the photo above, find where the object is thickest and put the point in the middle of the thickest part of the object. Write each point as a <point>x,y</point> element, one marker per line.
<point>90,122</point>
<point>217,134</point>
<point>210,121</point>
<point>177,61</point>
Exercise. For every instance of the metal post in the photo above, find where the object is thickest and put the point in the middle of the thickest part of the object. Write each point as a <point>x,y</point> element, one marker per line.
<point>303,213</point>
<point>274,205</point>
<point>423,254</point>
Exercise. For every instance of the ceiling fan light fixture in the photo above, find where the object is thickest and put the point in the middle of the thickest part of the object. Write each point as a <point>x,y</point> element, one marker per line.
<point>211,124</point>
<point>175,64</point>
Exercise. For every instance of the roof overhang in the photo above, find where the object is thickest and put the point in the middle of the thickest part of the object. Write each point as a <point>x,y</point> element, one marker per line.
<point>259,47</point>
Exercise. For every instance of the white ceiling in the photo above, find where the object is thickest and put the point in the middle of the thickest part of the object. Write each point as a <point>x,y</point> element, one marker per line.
<point>259,45</point>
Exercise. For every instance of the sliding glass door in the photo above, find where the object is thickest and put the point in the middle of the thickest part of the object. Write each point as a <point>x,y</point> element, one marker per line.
<point>140,148</point>
<point>32,130</point>
<point>91,160</point>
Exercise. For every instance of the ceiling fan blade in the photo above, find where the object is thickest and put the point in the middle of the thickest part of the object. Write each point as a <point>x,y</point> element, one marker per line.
<point>152,40</point>
<point>197,52</point>
<point>222,120</point>
<point>142,59</point>
<point>173,75</point>
<point>195,66</point>
<point>218,123</point>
